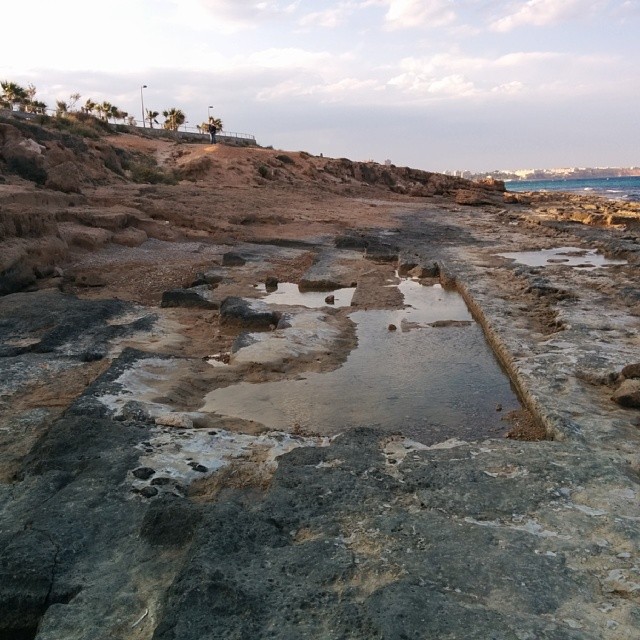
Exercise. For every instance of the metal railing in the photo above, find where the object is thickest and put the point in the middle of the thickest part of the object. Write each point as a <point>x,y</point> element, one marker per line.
<point>181,129</point>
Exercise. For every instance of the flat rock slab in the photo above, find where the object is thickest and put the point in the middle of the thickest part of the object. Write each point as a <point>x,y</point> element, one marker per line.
<point>332,270</point>
<point>298,335</point>
<point>49,321</point>
<point>375,539</point>
<point>248,314</point>
<point>193,297</point>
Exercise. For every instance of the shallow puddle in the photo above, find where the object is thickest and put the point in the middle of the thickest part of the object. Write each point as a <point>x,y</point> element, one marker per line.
<point>428,382</point>
<point>569,256</point>
<point>288,293</point>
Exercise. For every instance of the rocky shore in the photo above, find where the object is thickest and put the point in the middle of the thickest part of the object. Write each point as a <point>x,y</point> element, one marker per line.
<point>133,507</point>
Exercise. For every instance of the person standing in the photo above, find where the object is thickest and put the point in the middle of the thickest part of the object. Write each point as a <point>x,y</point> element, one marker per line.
<point>212,132</point>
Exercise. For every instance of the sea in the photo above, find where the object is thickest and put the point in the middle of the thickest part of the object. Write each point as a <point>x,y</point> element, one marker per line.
<point>627,188</point>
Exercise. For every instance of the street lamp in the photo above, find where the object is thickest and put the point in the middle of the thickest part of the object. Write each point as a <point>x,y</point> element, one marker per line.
<point>144,124</point>
<point>208,112</point>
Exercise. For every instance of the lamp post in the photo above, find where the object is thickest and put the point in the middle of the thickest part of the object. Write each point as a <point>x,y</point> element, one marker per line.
<point>208,112</point>
<point>144,124</point>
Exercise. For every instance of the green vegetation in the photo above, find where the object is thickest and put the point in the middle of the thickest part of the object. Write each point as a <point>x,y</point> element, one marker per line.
<point>285,159</point>
<point>15,97</point>
<point>144,169</point>
<point>173,118</point>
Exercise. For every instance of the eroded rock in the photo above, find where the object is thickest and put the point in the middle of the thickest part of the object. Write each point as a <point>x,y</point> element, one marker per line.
<point>628,394</point>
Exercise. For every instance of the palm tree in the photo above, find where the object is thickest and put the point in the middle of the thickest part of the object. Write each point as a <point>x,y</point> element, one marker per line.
<point>37,106</point>
<point>204,127</point>
<point>114,113</point>
<point>104,110</point>
<point>151,117</point>
<point>173,118</point>
<point>73,100</point>
<point>13,93</point>
<point>89,106</point>
<point>61,108</point>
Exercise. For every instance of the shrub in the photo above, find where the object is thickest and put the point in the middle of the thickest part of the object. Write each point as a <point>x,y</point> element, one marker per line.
<point>28,169</point>
<point>145,170</point>
<point>285,159</point>
<point>264,171</point>
<point>80,124</point>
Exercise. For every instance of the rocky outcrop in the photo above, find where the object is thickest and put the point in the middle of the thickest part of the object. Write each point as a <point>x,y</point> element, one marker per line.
<point>628,394</point>
<point>194,297</point>
<point>405,180</point>
<point>248,314</point>
<point>327,273</point>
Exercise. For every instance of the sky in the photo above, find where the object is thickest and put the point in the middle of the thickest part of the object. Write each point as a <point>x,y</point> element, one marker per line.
<point>438,85</point>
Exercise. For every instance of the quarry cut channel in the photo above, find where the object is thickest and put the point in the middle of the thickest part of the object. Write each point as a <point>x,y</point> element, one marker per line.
<point>425,370</point>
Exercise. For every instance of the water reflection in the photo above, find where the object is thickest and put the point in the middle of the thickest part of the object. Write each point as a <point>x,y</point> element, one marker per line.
<point>288,293</point>
<point>569,256</point>
<point>430,383</point>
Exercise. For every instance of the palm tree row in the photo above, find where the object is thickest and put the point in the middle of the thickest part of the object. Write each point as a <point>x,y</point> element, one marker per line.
<point>13,95</point>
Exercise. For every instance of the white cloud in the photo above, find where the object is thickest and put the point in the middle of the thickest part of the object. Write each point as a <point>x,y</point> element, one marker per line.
<point>403,14</point>
<point>521,58</point>
<point>347,90</point>
<point>238,14</point>
<point>330,18</point>
<point>541,13</point>
<point>288,58</point>
<point>509,88</point>
<point>421,86</point>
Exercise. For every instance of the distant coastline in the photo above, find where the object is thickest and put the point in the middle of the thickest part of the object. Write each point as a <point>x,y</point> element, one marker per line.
<point>615,187</point>
<point>560,174</point>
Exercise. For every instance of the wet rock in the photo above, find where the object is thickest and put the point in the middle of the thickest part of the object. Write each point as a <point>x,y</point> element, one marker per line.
<point>170,522</point>
<point>232,259</point>
<point>392,327</point>
<point>143,473</point>
<point>542,288</point>
<point>195,297</point>
<point>628,394</point>
<point>244,339</point>
<point>16,278</point>
<point>26,576</point>
<point>248,314</point>
<point>381,252</point>
<point>331,270</point>
<point>64,324</point>
<point>425,271</point>
<point>631,371</point>
<point>200,468</point>
<point>211,277</point>
<point>148,492</point>
<point>331,299</point>
<point>271,283</point>
<point>357,242</point>
<point>93,355</point>
<point>162,481</point>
